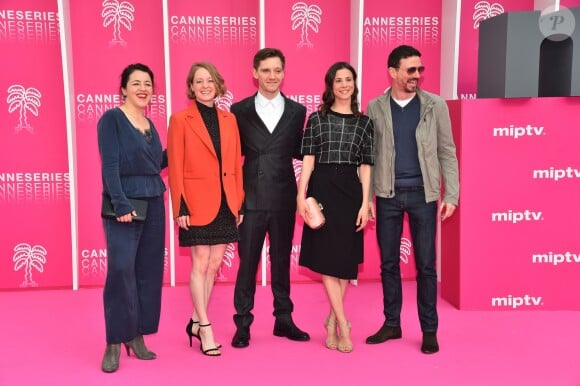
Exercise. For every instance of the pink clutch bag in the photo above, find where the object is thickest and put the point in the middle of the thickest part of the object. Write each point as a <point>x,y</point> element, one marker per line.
<point>314,216</point>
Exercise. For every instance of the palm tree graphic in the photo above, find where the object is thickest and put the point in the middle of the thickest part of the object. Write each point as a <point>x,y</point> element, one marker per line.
<point>307,17</point>
<point>297,165</point>
<point>405,249</point>
<point>25,100</point>
<point>29,257</point>
<point>229,256</point>
<point>225,101</point>
<point>120,15</point>
<point>485,10</point>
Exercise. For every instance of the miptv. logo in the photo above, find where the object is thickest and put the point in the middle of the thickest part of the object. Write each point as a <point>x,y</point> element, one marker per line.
<point>516,301</point>
<point>483,10</point>
<point>119,15</point>
<point>25,100</point>
<point>306,17</point>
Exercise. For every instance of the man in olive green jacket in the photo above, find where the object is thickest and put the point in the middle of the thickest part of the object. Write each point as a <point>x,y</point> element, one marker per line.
<point>413,149</point>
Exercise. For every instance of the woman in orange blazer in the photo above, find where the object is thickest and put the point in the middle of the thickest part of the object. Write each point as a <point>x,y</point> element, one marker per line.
<point>205,179</point>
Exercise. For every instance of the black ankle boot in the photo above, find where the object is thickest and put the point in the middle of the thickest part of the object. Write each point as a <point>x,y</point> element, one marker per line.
<point>139,348</point>
<point>430,344</point>
<point>110,362</point>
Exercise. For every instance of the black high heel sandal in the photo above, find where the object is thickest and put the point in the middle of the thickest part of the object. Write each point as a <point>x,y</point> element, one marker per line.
<point>191,334</point>
<point>210,352</point>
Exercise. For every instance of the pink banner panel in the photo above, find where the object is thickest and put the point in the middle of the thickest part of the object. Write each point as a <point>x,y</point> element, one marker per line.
<point>474,12</point>
<point>105,39</point>
<point>570,3</point>
<point>34,177</point>
<point>385,28</point>
<point>312,36</point>
<point>518,245</point>
<point>225,33</point>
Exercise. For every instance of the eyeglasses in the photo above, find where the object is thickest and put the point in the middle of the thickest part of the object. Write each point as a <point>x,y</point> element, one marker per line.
<point>412,70</point>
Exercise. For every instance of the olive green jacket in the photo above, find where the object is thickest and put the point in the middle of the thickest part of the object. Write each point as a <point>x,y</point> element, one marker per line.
<point>435,144</point>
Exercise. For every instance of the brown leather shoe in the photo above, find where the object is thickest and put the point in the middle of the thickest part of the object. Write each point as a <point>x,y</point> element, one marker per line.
<point>385,333</point>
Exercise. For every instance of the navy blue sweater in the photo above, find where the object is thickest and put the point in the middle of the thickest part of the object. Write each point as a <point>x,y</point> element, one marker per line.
<point>130,164</point>
<point>405,122</point>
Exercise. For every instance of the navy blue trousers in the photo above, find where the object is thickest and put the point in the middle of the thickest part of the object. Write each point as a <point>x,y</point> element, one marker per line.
<point>135,260</point>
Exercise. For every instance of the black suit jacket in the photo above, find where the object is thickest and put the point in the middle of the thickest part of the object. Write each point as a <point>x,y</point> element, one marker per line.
<point>269,181</point>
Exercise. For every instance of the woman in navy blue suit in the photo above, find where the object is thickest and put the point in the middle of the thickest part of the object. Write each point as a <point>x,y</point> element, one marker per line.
<point>131,160</point>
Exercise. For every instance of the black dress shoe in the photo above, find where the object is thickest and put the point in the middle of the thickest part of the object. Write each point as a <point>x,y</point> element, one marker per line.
<point>241,338</point>
<point>289,330</point>
<point>385,333</point>
<point>429,345</point>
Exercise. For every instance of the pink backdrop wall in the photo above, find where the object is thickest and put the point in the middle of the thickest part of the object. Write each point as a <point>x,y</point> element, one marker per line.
<point>34,177</point>
<point>34,173</point>
<point>307,34</point>
<point>474,12</point>
<point>384,28</point>
<point>104,41</point>
<point>225,33</point>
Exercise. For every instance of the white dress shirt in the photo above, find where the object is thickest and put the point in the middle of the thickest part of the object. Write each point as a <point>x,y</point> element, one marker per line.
<point>270,110</point>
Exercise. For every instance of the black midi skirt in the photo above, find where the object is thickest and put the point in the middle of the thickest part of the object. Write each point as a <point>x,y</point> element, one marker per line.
<point>336,249</point>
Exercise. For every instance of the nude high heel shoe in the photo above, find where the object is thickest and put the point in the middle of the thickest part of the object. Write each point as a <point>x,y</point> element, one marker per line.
<point>344,342</point>
<point>331,334</point>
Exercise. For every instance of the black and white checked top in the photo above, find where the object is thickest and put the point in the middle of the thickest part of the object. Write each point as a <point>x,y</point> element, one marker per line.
<point>339,138</point>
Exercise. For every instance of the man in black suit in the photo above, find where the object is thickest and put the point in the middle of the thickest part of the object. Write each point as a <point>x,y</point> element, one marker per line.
<point>271,127</point>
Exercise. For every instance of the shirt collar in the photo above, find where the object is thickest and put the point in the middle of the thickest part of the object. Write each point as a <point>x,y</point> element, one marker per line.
<point>262,101</point>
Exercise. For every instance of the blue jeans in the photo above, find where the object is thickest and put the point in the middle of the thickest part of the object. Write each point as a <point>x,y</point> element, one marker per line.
<point>423,225</point>
<point>132,293</point>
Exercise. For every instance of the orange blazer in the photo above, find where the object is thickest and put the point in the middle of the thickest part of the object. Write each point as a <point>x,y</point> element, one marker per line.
<point>194,170</point>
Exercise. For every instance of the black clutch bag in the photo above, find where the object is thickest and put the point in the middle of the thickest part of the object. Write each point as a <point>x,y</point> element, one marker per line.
<point>139,205</point>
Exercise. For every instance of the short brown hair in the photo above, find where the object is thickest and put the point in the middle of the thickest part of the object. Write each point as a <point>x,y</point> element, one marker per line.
<point>266,53</point>
<point>220,84</point>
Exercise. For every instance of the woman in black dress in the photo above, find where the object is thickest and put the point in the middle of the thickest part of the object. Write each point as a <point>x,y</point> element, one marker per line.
<point>336,170</point>
<point>205,178</point>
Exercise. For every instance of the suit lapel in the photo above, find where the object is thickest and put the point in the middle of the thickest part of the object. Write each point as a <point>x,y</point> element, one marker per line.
<point>254,118</point>
<point>285,119</point>
<point>196,124</point>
